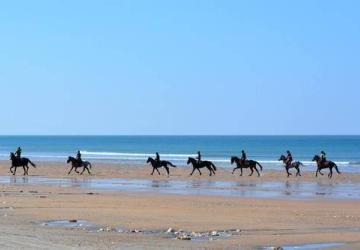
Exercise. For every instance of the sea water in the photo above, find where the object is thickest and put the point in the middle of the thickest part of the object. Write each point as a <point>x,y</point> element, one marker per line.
<point>344,150</point>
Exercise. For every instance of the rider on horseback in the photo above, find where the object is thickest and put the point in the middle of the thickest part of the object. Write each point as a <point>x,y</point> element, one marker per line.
<point>243,157</point>
<point>289,158</point>
<point>198,158</point>
<point>323,156</point>
<point>157,158</point>
<point>78,157</point>
<point>18,153</point>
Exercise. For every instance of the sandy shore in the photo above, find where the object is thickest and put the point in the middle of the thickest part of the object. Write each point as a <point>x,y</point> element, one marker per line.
<point>261,222</point>
<point>101,170</point>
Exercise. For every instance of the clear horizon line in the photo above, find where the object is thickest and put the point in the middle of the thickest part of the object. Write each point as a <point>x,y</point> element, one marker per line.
<point>179,135</point>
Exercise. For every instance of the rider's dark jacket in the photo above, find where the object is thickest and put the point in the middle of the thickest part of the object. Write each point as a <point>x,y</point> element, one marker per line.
<point>18,153</point>
<point>323,157</point>
<point>289,158</point>
<point>198,157</point>
<point>243,156</point>
<point>78,156</point>
<point>157,158</point>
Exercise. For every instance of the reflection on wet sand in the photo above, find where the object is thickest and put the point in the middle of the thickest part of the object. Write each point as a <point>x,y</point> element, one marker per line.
<point>274,189</point>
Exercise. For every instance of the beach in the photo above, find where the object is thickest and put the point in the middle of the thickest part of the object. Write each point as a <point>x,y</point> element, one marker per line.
<point>133,217</point>
<point>203,125</point>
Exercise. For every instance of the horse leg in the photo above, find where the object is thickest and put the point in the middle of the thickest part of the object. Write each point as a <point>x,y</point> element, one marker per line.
<point>71,169</point>
<point>241,171</point>
<point>25,170</point>
<point>152,173</point>
<point>257,171</point>
<point>88,170</point>
<point>330,174</point>
<point>252,171</point>
<point>288,173</point>
<point>316,175</point>
<point>167,170</point>
<point>14,173</point>
<point>11,169</point>
<point>158,171</point>
<point>84,168</point>
<point>199,170</point>
<point>209,168</point>
<point>192,171</point>
<point>234,170</point>
<point>214,173</point>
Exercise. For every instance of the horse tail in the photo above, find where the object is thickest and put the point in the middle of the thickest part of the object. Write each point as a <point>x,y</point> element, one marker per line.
<point>301,164</point>
<point>89,165</point>
<point>212,164</point>
<point>257,163</point>
<point>32,164</point>
<point>172,165</point>
<point>336,168</point>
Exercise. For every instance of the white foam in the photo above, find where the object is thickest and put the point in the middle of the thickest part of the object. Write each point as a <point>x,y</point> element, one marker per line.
<point>139,157</point>
<point>135,154</point>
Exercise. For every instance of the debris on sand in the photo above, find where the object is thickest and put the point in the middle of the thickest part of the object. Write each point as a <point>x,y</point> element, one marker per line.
<point>183,237</point>
<point>170,230</point>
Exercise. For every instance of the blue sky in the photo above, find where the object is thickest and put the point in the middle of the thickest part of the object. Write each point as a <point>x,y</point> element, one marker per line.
<point>180,67</point>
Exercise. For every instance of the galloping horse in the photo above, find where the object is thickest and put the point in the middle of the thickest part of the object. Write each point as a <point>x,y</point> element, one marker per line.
<point>203,164</point>
<point>155,165</point>
<point>295,164</point>
<point>22,162</point>
<point>75,164</point>
<point>247,164</point>
<point>327,164</point>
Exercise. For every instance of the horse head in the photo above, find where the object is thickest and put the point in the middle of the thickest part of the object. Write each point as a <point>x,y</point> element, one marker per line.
<point>316,158</point>
<point>150,160</point>
<point>233,159</point>
<point>12,156</point>
<point>70,159</point>
<point>282,158</point>
<point>191,160</point>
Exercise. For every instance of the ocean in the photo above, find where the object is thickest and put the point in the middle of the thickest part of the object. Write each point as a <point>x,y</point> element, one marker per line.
<point>344,150</point>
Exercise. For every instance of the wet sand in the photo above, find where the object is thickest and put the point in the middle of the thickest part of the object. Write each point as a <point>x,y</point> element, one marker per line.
<point>254,221</point>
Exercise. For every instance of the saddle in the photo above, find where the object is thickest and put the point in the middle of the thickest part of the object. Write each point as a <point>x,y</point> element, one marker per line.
<point>244,162</point>
<point>18,161</point>
<point>79,161</point>
<point>324,163</point>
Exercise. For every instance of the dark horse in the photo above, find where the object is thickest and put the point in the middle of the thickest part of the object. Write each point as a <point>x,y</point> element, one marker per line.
<point>203,164</point>
<point>160,164</point>
<point>22,162</point>
<point>295,164</point>
<point>327,164</point>
<point>247,164</point>
<point>75,164</point>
